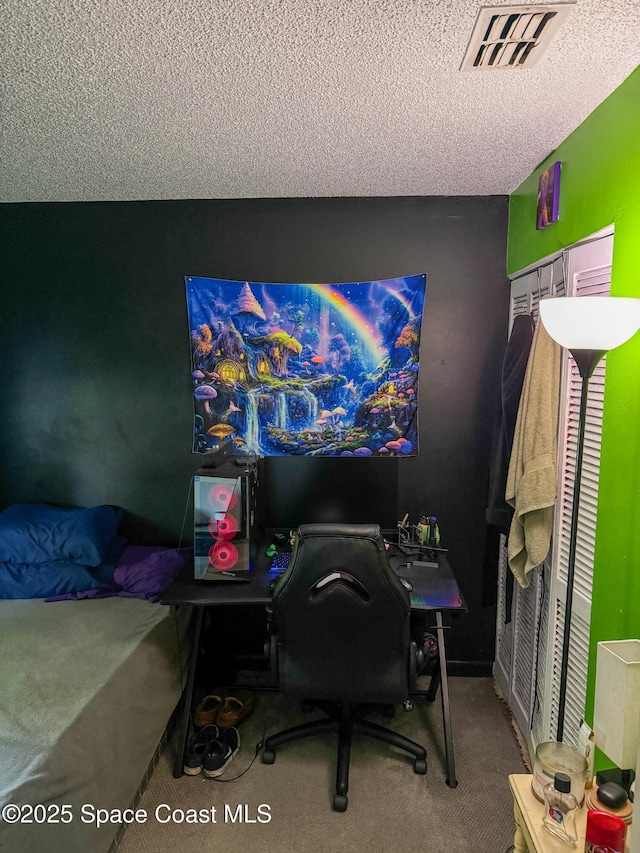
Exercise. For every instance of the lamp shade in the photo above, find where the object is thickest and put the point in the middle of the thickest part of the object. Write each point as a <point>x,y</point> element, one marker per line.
<point>616,714</point>
<point>590,322</point>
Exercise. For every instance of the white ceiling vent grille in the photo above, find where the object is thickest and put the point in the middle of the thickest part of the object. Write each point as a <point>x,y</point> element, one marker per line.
<point>513,36</point>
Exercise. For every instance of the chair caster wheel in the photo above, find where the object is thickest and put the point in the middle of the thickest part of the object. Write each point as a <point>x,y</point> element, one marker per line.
<point>268,756</point>
<point>340,803</point>
<point>420,766</point>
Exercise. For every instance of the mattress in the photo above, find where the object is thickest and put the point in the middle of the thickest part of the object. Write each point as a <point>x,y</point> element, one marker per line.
<point>86,691</point>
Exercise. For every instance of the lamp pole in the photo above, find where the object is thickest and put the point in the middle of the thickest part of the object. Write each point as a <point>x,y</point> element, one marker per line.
<point>588,326</point>
<point>586,361</point>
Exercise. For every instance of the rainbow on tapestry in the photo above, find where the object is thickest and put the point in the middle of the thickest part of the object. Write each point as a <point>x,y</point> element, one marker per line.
<point>306,369</point>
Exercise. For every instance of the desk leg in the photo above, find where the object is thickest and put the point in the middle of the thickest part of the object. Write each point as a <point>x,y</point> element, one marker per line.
<point>183,726</point>
<point>452,782</point>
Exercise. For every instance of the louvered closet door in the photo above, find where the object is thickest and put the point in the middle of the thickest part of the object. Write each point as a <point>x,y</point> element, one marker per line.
<point>588,274</point>
<point>502,668</point>
<point>529,648</point>
<point>520,303</point>
<point>539,717</point>
<point>521,643</point>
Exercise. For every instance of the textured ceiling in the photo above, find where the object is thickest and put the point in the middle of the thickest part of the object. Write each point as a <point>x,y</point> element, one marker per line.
<point>145,99</point>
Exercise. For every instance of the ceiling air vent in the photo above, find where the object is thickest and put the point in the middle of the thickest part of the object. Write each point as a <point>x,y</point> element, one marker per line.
<point>513,36</point>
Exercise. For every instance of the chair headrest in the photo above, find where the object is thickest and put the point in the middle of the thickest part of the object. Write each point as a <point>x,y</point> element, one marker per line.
<point>364,531</point>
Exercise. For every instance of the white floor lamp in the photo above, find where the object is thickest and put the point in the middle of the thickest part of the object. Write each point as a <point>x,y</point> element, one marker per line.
<point>588,326</point>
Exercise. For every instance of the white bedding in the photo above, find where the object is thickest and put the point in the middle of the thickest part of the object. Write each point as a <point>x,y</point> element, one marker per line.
<point>86,690</point>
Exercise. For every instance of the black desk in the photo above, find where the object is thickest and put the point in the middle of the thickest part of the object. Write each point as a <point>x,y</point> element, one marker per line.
<point>434,591</point>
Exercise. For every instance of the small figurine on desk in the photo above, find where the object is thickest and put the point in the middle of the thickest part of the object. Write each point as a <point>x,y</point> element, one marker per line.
<point>404,530</point>
<point>428,531</point>
<point>423,537</point>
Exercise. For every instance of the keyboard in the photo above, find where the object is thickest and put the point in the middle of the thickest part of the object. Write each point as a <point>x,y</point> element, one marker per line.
<point>280,561</point>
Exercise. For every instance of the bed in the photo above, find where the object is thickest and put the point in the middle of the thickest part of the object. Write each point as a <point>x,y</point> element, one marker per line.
<point>87,688</point>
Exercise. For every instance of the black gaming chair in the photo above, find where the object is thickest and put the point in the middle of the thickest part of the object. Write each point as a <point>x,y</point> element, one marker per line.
<point>340,621</point>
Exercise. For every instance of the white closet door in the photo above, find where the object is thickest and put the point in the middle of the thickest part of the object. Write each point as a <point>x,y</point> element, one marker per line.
<point>521,642</point>
<point>529,648</point>
<point>502,668</point>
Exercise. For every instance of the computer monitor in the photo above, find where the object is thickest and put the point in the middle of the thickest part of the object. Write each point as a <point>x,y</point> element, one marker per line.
<point>304,490</point>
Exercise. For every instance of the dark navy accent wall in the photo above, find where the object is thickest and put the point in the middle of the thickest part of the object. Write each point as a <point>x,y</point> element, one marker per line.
<point>95,394</point>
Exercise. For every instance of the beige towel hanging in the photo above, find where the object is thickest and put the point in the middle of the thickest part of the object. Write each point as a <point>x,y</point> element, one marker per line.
<point>531,481</point>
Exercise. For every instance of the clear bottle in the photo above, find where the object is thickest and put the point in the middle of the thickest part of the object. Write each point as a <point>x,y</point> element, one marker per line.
<point>561,808</point>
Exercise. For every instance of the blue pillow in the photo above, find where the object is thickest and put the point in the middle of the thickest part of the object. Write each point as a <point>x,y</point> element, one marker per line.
<point>42,580</point>
<point>39,533</point>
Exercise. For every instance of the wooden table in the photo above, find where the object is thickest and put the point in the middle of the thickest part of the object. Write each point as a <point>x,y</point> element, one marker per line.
<point>530,835</point>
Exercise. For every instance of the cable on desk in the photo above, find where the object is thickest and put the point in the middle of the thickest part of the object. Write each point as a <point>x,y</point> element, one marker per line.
<point>187,504</point>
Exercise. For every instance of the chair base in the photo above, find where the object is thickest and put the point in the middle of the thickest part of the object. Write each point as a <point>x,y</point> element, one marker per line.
<point>345,721</point>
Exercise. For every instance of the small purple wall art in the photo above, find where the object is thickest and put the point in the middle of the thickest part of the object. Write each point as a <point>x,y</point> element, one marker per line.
<point>548,196</point>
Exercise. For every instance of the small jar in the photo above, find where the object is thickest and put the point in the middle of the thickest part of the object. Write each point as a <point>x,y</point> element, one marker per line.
<point>605,833</point>
<point>561,808</point>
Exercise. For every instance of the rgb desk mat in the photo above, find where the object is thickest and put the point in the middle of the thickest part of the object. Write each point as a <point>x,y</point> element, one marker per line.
<point>434,586</point>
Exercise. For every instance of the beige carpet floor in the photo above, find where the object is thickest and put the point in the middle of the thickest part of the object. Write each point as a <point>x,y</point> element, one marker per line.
<point>287,807</point>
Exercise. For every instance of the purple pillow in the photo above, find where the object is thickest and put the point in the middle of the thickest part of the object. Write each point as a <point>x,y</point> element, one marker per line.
<point>145,571</point>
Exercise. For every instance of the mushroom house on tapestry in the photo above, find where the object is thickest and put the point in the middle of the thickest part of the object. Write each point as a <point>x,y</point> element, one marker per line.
<point>306,369</point>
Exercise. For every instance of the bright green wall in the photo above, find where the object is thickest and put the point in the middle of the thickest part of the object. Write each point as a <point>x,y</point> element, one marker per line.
<point>600,186</point>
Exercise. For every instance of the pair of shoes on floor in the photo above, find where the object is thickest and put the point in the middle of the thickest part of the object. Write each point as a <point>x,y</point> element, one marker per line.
<point>196,748</point>
<point>221,752</point>
<point>210,751</point>
<point>224,709</point>
<point>206,712</point>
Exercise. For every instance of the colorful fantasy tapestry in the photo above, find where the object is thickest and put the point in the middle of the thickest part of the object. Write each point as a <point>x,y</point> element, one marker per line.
<point>306,369</point>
